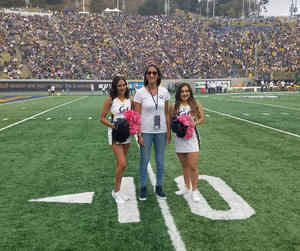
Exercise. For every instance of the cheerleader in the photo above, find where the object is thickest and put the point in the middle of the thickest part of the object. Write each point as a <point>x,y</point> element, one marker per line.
<point>117,103</point>
<point>187,149</point>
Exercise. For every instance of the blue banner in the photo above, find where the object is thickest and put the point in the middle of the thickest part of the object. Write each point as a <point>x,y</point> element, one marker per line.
<point>135,85</point>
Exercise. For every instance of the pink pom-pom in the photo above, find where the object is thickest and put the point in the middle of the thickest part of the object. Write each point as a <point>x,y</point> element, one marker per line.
<point>134,121</point>
<point>186,121</point>
<point>189,132</point>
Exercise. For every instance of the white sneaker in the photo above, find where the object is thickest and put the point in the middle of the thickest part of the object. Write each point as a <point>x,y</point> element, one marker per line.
<point>118,197</point>
<point>182,191</point>
<point>125,197</point>
<point>195,195</point>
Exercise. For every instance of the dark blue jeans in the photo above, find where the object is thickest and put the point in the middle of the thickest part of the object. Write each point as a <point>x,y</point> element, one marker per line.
<point>159,142</point>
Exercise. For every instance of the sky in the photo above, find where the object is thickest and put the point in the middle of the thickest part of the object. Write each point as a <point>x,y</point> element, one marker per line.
<point>279,7</point>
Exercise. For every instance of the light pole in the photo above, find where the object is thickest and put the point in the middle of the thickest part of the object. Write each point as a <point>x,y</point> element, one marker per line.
<point>207,9</point>
<point>249,9</point>
<point>214,8</point>
<point>167,7</point>
<point>243,10</point>
<point>199,7</point>
<point>123,7</point>
<point>76,5</point>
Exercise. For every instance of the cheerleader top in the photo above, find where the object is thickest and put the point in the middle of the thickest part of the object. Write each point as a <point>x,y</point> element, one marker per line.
<point>118,107</point>
<point>184,109</point>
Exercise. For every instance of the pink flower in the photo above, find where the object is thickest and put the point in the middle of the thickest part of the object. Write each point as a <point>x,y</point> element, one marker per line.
<point>133,120</point>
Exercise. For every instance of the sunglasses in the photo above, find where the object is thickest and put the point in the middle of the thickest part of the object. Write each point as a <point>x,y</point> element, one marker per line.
<point>151,72</point>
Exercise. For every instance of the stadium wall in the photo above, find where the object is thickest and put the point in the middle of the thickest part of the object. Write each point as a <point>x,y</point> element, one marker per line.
<point>13,85</point>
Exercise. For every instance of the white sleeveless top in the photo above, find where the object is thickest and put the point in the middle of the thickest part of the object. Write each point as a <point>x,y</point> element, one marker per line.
<point>117,108</point>
<point>183,145</point>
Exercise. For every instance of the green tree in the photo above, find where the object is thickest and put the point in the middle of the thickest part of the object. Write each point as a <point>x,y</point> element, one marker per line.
<point>10,3</point>
<point>152,7</point>
<point>54,1</point>
<point>100,5</point>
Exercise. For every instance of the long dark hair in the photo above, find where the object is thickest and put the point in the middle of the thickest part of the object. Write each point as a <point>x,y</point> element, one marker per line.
<point>158,72</point>
<point>113,92</point>
<point>191,100</point>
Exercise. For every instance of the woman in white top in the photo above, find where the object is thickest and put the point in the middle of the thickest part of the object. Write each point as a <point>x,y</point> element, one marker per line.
<point>117,103</point>
<point>151,102</point>
<point>187,150</point>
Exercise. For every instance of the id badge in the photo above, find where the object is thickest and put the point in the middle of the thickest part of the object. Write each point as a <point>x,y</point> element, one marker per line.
<point>157,122</point>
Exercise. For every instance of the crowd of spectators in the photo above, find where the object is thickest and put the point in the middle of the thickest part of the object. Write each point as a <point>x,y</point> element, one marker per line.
<point>72,46</point>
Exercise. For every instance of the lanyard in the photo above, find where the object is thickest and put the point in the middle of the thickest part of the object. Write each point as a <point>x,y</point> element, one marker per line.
<point>156,103</point>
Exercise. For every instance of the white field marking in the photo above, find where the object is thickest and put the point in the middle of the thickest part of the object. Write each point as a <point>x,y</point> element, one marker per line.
<point>48,118</point>
<point>128,212</point>
<point>254,123</point>
<point>69,198</point>
<point>23,101</point>
<point>239,209</point>
<point>19,122</point>
<point>5,119</point>
<point>266,114</point>
<point>23,108</point>
<point>206,115</point>
<point>70,118</point>
<point>291,108</point>
<point>284,113</point>
<point>172,229</point>
<point>90,117</point>
<point>246,114</point>
<point>169,221</point>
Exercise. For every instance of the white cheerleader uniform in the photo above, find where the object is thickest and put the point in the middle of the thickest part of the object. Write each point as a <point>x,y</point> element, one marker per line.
<point>117,108</point>
<point>183,145</point>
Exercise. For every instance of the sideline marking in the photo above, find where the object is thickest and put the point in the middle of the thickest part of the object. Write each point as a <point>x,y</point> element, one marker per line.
<point>266,114</point>
<point>69,198</point>
<point>169,221</point>
<point>128,212</point>
<point>48,118</point>
<point>70,118</point>
<point>5,119</point>
<point>239,208</point>
<point>291,108</point>
<point>254,123</point>
<point>90,117</point>
<point>19,122</point>
<point>284,113</point>
<point>23,100</point>
<point>246,114</point>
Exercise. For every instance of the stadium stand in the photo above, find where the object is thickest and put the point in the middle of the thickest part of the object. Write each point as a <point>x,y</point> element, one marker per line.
<point>72,46</point>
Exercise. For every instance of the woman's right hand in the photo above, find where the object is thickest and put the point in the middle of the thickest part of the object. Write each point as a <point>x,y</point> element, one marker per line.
<point>141,140</point>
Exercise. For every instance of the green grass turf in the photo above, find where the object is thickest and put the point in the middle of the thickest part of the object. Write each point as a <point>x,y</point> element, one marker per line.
<point>42,158</point>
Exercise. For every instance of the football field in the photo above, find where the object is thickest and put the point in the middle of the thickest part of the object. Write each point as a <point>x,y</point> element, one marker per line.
<point>249,180</point>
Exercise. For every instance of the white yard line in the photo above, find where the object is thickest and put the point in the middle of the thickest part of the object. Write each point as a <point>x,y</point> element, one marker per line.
<point>169,220</point>
<point>19,122</point>
<point>254,123</point>
<point>13,102</point>
<point>291,108</point>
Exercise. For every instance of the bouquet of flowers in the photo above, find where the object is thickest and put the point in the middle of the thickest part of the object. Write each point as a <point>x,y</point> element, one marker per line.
<point>133,119</point>
<point>181,125</point>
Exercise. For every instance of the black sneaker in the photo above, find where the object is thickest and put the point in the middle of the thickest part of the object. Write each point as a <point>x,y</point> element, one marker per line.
<point>143,195</point>
<point>160,193</point>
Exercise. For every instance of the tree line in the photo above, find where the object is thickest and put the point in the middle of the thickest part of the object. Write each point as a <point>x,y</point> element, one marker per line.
<point>226,8</point>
